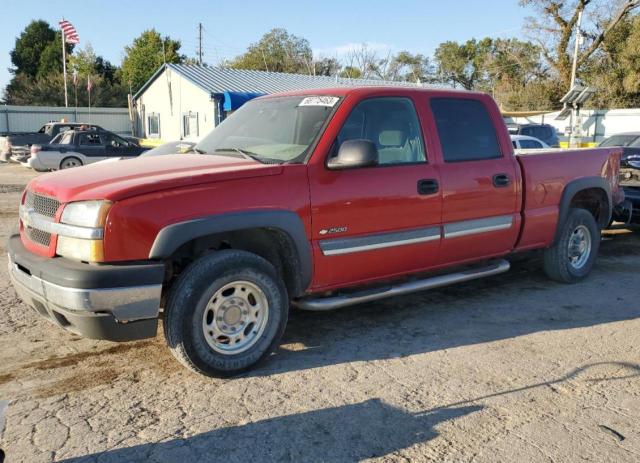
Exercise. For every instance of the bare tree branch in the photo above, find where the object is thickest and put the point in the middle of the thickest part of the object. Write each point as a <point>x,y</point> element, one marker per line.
<point>622,13</point>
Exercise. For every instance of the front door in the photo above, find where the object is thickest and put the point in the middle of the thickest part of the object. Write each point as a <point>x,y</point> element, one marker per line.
<point>377,221</point>
<point>480,210</point>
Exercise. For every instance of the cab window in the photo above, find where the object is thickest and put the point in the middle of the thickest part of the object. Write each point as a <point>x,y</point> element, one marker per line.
<point>465,130</point>
<point>391,124</point>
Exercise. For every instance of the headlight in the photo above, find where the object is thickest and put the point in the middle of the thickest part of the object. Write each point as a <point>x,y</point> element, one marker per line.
<point>86,213</point>
<point>79,249</point>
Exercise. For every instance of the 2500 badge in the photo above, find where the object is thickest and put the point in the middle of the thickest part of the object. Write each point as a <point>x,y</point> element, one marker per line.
<point>333,230</point>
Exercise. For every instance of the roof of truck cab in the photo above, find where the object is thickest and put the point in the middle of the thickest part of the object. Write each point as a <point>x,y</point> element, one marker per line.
<point>373,90</point>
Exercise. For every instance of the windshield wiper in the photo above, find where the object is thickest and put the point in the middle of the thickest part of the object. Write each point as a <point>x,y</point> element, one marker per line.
<point>199,151</point>
<point>245,153</point>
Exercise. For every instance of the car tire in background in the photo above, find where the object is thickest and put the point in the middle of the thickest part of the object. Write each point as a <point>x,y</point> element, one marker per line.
<point>226,312</point>
<point>70,162</point>
<point>572,257</point>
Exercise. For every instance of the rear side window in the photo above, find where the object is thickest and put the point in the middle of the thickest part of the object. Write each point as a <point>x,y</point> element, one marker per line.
<point>541,131</point>
<point>465,130</point>
<point>530,144</point>
<point>90,139</point>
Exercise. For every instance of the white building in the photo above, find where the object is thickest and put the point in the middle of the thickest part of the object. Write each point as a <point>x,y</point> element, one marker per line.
<point>183,101</point>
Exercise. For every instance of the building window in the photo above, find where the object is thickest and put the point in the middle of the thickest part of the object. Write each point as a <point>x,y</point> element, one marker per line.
<point>153,125</point>
<point>190,125</point>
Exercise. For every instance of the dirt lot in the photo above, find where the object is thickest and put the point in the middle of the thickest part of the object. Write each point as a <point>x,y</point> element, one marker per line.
<point>511,368</point>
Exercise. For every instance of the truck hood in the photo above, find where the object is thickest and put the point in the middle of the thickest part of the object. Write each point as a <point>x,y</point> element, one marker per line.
<point>119,180</point>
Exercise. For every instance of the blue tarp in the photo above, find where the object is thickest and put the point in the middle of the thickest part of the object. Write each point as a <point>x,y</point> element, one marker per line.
<point>233,100</point>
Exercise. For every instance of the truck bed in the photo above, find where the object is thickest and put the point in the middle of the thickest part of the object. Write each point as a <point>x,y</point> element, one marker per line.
<point>545,175</point>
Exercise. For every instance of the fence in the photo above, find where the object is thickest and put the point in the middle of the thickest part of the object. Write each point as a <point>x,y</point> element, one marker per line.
<point>31,118</point>
<point>596,124</point>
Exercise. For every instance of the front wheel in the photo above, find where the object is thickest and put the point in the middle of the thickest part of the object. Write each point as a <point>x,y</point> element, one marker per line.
<point>572,257</point>
<point>226,313</point>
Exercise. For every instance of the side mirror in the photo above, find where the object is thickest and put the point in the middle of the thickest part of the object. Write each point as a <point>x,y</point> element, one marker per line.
<point>354,153</point>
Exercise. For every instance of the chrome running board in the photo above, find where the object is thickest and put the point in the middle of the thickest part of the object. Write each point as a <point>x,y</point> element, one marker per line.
<point>344,300</point>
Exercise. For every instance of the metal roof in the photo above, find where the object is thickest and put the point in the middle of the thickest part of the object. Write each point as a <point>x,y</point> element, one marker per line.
<point>217,80</point>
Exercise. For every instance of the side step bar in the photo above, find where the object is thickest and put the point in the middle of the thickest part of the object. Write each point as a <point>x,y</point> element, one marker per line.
<point>344,300</point>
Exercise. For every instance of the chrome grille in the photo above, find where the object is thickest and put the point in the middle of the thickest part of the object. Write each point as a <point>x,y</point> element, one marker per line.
<point>38,236</point>
<point>41,204</point>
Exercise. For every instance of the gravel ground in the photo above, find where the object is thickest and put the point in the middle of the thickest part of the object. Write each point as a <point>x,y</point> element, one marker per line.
<point>510,368</point>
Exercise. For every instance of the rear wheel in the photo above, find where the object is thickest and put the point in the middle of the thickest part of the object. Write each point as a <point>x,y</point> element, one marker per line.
<point>68,163</point>
<point>572,257</point>
<point>226,313</point>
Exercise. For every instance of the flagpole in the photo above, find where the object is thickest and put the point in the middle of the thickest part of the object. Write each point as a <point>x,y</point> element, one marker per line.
<point>64,68</point>
<point>89,92</point>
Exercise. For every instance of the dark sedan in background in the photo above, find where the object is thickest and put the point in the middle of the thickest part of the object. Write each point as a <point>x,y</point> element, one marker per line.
<point>629,168</point>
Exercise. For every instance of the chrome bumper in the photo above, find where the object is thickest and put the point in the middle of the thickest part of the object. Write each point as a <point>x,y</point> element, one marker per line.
<point>124,304</point>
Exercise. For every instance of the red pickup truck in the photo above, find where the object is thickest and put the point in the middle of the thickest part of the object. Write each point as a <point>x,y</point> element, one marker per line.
<point>319,200</point>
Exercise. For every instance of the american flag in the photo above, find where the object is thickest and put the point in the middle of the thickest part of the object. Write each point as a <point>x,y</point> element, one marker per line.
<point>70,33</point>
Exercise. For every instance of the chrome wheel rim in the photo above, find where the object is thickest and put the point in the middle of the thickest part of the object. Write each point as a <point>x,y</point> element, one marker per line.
<point>70,163</point>
<point>235,317</point>
<point>579,247</point>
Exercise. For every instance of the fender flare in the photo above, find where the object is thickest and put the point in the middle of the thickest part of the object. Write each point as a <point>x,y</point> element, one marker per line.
<point>574,187</point>
<point>171,237</point>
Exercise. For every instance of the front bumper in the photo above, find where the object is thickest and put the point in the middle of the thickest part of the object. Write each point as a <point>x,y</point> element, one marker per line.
<point>111,302</point>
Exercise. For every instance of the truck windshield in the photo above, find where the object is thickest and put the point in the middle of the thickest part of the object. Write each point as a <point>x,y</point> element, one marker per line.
<point>271,130</point>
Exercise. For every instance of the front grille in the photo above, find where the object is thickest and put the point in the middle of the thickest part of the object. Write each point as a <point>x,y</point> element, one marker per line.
<point>38,236</point>
<point>41,204</point>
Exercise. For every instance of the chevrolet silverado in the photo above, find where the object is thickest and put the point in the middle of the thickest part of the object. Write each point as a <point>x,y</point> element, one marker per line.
<point>316,199</point>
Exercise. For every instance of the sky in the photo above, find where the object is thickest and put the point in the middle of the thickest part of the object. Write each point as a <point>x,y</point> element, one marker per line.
<point>331,26</point>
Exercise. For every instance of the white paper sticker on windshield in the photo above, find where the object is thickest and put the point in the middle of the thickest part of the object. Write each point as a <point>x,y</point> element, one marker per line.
<point>329,101</point>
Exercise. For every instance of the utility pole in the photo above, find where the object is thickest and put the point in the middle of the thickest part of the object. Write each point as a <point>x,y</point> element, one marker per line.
<point>200,44</point>
<point>576,124</point>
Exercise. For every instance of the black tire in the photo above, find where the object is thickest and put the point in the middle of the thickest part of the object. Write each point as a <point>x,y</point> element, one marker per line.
<point>557,259</point>
<point>64,163</point>
<point>189,299</point>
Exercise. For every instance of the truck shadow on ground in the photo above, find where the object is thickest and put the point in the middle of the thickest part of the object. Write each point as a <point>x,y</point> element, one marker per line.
<point>346,433</point>
<point>455,316</point>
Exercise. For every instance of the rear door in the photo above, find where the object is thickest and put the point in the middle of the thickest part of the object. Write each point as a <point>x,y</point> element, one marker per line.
<point>92,146</point>
<point>374,222</point>
<point>480,180</point>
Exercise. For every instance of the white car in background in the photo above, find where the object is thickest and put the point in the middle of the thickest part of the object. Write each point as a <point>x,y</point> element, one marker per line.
<point>525,142</point>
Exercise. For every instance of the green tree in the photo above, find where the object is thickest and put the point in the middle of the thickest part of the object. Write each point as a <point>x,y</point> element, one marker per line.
<point>326,67</point>
<point>615,69</point>
<point>277,51</point>
<point>38,50</point>
<point>108,90</point>
<point>464,64</point>
<point>351,72</point>
<point>31,91</point>
<point>145,55</point>
<point>554,26</point>
<point>408,67</point>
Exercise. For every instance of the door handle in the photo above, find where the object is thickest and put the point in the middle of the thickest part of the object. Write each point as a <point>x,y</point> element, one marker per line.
<point>427,186</point>
<point>501,180</point>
